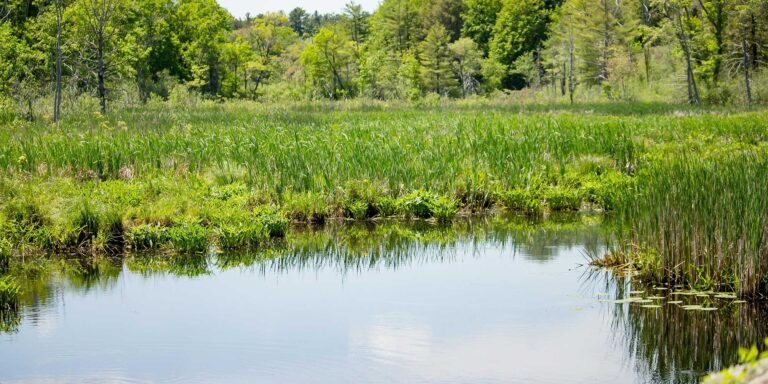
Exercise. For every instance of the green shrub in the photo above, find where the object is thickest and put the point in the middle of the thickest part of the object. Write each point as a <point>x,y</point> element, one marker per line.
<point>305,207</point>
<point>425,205</point>
<point>9,293</point>
<point>386,206</point>
<point>417,204</point>
<point>26,212</point>
<point>561,198</point>
<point>144,236</point>
<point>356,209</point>
<point>188,238</point>
<point>523,201</point>
<point>6,249</point>
<point>86,223</point>
<point>274,223</point>
<point>112,231</point>
<point>443,209</point>
<point>240,236</point>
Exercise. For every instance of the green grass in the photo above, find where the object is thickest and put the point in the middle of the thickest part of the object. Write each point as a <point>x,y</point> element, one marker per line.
<point>686,181</point>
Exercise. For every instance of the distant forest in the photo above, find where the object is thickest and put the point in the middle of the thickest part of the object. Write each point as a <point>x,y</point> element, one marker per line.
<point>125,52</point>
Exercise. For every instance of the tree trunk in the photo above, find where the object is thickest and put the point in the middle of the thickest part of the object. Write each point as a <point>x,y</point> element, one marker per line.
<point>57,91</point>
<point>693,90</point>
<point>745,57</point>
<point>100,70</point>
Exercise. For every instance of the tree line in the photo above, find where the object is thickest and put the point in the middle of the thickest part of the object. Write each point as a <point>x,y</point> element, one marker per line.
<point>707,50</point>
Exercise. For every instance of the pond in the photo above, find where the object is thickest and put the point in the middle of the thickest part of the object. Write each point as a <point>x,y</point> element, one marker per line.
<point>493,300</point>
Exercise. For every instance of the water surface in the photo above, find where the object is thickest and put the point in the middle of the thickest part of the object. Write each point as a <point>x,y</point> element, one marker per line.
<point>489,301</point>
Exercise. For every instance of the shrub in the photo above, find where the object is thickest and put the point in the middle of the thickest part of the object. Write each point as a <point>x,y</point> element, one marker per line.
<point>523,201</point>
<point>239,236</point>
<point>426,205</point>
<point>561,198</point>
<point>86,223</point>
<point>305,207</point>
<point>188,238</point>
<point>6,249</point>
<point>386,206</point>
<point>9,293</point>
<point>274,223</point>
<point>144,236</point>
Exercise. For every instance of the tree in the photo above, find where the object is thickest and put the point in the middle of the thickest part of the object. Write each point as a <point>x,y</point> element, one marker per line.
<point>444,12</point>
<point>358,22</point>
<point>466,64</point>
<point>744,37</point>
<point>480,20</point>
<point>297,20</point>
<point>57,53</point>
<point>435,56</point>
<point>396,25</point>
<point>103,39</point>
<point>327,61</point>
<point>520,28</point>
<point>679,18</point>
<point>203,27</point>
<point>716,14</point>
<point>269,37</point>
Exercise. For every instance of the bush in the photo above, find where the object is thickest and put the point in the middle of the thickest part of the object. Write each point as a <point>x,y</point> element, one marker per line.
<point>523,201</point>
<point>274,223</point>
<point>240,236</point>
<point>426,205</point>
<point>386,206</point>
<point>305,207</point>
<point>6,249</point>
<point>146,236</point>
<point>188,238</point>
<point>86,223</point>
<point>561,198</point>
<point>9,293</point>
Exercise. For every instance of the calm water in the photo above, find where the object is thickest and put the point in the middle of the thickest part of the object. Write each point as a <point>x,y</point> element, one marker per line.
<point>474,303</point>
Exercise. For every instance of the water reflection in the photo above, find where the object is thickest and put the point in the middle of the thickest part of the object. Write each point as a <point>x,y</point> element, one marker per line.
<point>672,345</point>
<point>524,308</point>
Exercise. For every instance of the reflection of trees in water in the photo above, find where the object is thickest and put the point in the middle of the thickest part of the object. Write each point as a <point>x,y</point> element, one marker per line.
<point>340,246</point>
<point>361,246</point>
<point>672,345</point>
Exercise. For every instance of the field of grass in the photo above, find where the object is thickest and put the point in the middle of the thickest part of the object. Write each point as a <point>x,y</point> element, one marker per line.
<point>687,183</point>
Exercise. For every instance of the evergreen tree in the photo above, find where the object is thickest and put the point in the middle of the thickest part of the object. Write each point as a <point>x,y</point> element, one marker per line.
<point>480,20</point>
<point>435,57</point>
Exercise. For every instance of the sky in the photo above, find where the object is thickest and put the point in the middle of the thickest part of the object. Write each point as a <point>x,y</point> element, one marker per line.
<point>238,8</point>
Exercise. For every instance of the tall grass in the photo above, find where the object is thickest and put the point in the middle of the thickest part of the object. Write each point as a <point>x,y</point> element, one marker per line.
<point>688,181</point>
<point>701,218</point>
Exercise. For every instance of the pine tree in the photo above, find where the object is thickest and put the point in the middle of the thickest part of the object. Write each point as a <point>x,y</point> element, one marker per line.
<point>435,56</point>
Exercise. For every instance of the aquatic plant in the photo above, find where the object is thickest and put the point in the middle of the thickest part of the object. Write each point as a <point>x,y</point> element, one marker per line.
<point>704,219</point>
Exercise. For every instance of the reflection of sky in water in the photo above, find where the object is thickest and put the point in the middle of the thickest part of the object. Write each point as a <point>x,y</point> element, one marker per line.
<point>490,313</point>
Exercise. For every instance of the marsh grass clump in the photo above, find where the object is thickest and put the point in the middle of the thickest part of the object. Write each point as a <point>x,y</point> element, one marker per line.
<point>706,217</point>
<point>307,207</point>
<point>146,236</point>
<point>86,224</point>
<point>242,235</point>
<point>526,201</point>
<point>274,223</point>
<point>9,293</point>
<point>425,205</point>
<point>6,252</point>
<point>188,237</point>
<point>563,198</point>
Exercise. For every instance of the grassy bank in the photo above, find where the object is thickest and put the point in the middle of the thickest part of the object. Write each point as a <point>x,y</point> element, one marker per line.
<point>685,181</point>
